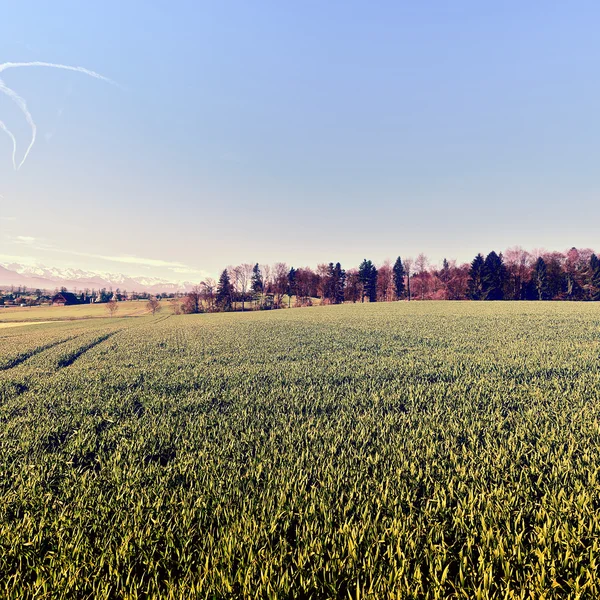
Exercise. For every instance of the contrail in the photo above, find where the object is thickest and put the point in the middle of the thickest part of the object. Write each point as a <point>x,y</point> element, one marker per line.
<point>14,141</point>
<point>23,106</point>
<point>20,102</point>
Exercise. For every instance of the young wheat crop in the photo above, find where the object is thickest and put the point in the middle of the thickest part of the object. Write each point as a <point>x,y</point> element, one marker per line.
<point>422,450</point>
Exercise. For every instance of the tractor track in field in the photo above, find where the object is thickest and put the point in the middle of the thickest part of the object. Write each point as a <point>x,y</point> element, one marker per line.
<point>76,354</point>
<point>69,359</point>
<point>24,386</point>
<point>20,359</point>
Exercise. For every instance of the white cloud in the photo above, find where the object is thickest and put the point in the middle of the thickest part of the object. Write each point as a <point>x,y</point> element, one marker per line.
<point>190,271</point>
<point>123,259</point>
<point>131,260</point>
<point>139,261</point>
<point>25,239</point>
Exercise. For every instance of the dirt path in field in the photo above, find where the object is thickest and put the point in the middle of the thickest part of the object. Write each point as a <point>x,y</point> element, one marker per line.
<point>23,323</point>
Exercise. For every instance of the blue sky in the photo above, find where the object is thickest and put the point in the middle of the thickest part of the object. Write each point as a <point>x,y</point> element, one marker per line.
<point>300,132</point>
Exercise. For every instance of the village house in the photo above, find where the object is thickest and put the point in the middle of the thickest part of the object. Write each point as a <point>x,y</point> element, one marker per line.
<point>65,299</point>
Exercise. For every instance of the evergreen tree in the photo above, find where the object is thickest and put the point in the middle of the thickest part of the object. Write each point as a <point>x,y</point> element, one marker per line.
<point>256,280</point>
<point>445,272</point>
<point>329,284</point>
<point>291,287</point>
<point>493,277</point>
<point>529,290</point>
<point>540,279</point>
<point>224,291</point>
<point>368,277</point>
<point>475,286</point>
<point>335,283</point>
<point>556,278</point>
<point>372,291</point>
<point>364,270</point>
<point>399,274</point>
<point>339,282</point>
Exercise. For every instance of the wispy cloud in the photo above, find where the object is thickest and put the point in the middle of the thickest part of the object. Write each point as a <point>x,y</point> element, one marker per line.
<point>139,261</point>
<point>35,243</point>
<point>125,259</point>
<point>22,104</point>
<point>190,271</point>
<point>40,244</point>
<point>25,239</point>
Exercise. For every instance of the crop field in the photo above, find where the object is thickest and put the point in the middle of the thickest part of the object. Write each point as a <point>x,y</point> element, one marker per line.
<point>397,450</point>
<point>70,313</point>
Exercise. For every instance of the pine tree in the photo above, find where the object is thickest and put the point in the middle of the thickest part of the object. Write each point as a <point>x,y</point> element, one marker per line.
<point>364,270</point>
<point>335,283</point>
<point>557,280</point>
<point>493,276</point>
<point>256,280</point>
<point>291,288</point>
<point>475,289</point>
<point>445,272</point>
<point>368,277</point>
<point>329,287</point>
<point>372,288</point>
<point>339,282</point>
<point>540,279</point>
<point>399,274</point>
<point>224,291</point>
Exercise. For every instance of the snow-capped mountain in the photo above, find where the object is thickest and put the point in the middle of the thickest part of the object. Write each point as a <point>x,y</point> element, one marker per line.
<point>49,278</point>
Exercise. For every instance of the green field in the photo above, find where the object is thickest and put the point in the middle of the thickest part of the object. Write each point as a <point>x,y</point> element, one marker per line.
<point>424,450</point>
<point>78,311</point>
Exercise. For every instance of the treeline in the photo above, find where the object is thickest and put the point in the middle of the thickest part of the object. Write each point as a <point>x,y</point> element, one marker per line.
<point>513,275</point>
<point>24,296</point>
<point>520,275</point>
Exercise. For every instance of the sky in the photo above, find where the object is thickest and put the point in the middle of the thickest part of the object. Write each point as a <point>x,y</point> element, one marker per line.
<point>301,132</point>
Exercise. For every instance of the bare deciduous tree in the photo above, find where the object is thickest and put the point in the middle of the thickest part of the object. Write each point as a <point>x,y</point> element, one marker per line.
<point>305,286</point>
<point>267,278</point>
<point>192,302</point>
<point>153,305</point>
<point>244,278</point>
<point>322,271</point>
<point>518,263</point>
<point>234,278</point>
<point>112,306</point>
<point>280,282</point>
<point>267,273</point>
<point>353,285</point>
<point>421,263</point>
<point>408,267</point>
<point>385,282</point>
<point>175,306</point>
<point>208,290</point>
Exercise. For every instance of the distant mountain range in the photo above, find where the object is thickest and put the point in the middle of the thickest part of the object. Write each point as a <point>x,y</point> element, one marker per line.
<point>47,278</point>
